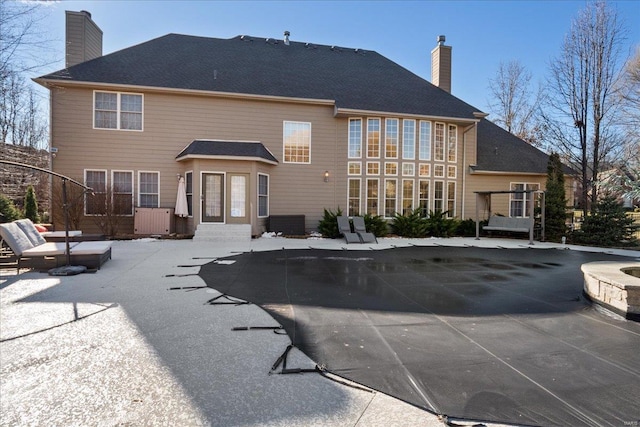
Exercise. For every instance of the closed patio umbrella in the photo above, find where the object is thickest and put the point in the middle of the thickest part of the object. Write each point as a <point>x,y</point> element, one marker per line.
<point>182,209</point>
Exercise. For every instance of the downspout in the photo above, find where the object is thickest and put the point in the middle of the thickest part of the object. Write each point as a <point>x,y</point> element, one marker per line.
<point>464,164</point>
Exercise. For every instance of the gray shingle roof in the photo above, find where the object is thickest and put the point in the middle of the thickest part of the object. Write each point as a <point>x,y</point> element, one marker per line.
<point>237,149</point>
<point>354,78</point>
<point>501,151</point>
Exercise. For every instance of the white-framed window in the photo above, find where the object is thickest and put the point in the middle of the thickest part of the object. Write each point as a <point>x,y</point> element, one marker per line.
<point>452,148</point>
<point>408,139</point>
<point>452,171</point>
<point>148,189</point>
<point>122,192</point>
<point>424,170</point>
<point>438,196</point>
<point>391,138</point>
<point>391,168</point>
<point>408,169</point>
<point>296,142</point>
<point>438,142</point>
<point>263,195</point>
<point>118,110</point>
<point>355,138</point>
<point>451,199</point>
<point>373,185</point>
<point>438,171</point>
<point>354,168</point>
<point>96,203</point>
<point>188,181</point>
<point>424,141</point>
<point>373,138</point>
<point>407,195</point>
<point>373,168</point>
<point>354,197</point>
<point>390,197</point>
<point>423,197</point>
<point>519,202</point>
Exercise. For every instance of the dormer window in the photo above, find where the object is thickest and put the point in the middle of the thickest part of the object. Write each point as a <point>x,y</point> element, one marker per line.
<point>116,110</point>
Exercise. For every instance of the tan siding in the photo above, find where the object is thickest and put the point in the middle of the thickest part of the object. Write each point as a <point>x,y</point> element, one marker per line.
<point>83,38</point>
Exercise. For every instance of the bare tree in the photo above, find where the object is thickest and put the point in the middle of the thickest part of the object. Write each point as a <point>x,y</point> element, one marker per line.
<point>22,42</point>
<point>514,104</point>
<point>582,82</point>
<point>21,120</point>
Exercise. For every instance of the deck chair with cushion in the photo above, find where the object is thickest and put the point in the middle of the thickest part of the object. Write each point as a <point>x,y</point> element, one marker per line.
<point>345,229</point>
<point>32,251</point>
<point>360,228</point>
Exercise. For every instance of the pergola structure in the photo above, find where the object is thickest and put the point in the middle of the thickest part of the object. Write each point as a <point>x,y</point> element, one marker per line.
<point>484,198</point>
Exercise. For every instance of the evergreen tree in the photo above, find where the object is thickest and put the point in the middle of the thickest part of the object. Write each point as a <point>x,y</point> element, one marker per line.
<point>555,200</point>
<point>608,225</point>
<point>31,205</point>
<point>8,211</point>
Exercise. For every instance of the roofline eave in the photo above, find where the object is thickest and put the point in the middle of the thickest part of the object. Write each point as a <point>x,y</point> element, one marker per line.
<point>351,112</point>
<point>50,83</point>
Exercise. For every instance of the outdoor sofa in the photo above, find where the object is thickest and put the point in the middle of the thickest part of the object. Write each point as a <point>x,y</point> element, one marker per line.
<point>31,250</point>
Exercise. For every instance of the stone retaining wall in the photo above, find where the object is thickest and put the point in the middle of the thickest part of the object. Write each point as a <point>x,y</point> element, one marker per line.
<point>605,283</point>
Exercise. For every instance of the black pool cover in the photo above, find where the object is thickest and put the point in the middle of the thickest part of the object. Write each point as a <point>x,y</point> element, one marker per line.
<point>480,334</point>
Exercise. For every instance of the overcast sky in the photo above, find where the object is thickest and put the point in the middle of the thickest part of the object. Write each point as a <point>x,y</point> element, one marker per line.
<point>482,33</point>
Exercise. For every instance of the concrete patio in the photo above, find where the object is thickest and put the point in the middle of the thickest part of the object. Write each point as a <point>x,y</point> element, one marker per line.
<point>117,347</point>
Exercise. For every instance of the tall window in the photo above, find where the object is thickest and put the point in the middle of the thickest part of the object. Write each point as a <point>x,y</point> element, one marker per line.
<point>390,197</point>
<point>438,142</point>
<point>438,196</point>
<point>451,199</point>
<point>391,139</point>
<point>372,196</point>
<point>453,143</point>
<point>149,189</point>
<point>297,142</point>
<point>424,142</point>
<point>116,110</point>
<point>423,197</point>
<point>354,197</point>
<point>355,138</point>
<point>96,203</point>
<point>188,180</point>
<point>519,202</point>
<point>263,195</point>
<point>122,192</point>
<point>407,195</point>
<point>408,139</point>
<point>373,138</point>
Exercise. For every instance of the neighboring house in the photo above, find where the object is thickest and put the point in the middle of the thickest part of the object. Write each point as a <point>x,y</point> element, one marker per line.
<point>263,127</point>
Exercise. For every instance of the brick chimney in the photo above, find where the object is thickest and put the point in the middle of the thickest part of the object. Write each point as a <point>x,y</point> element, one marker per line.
<point>441,65</point>
<point>83,38</point>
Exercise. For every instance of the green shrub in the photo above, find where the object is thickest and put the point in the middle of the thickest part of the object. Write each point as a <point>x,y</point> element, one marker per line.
<point>608,225</point>
<point>376,224</point>
<point>8,211</point>
<point>410,224</point>
<point>328,225</point>
<point>467,227</point>
<point>438,225</point>
<point>31,205</point>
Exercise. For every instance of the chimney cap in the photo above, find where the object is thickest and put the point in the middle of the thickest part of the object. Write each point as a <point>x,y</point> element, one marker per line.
<point>441,39</point>
<point>286,37</point>
<point>86,12</point>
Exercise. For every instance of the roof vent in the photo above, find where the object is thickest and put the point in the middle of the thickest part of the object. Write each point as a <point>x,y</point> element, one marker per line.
<point>271,41</point>
<point>286,37</point>
<point>246,38</point>
<point>441,40</point>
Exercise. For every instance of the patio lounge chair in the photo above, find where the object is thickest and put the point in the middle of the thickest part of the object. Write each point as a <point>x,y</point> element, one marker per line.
<point>360,228</point>
<point>32,251</point>
<point>345,229</point>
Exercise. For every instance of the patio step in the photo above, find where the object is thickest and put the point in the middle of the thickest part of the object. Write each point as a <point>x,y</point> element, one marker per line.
<point>223,233</point>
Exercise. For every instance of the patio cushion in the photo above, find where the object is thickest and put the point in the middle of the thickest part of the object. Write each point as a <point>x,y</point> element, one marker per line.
<point>47,249</point>
<point>91,248</point>
<point>30,230</point>
<point>15,238</point>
